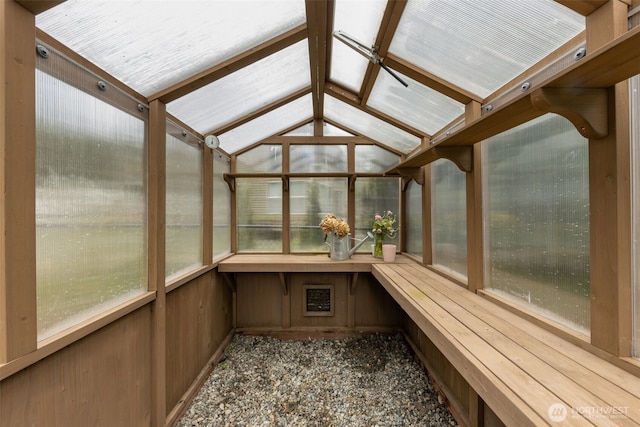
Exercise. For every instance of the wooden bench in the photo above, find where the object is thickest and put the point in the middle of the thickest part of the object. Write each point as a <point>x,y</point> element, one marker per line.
<point>524,373</point>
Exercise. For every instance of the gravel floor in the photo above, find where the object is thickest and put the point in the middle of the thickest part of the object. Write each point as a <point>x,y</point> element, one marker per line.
<point>362,381</point>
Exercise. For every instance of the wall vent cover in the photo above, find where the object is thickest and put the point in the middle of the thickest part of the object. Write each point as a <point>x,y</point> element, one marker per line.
<point>318,300</point>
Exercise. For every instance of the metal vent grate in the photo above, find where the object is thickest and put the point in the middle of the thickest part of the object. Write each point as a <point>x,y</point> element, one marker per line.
<point>318,300</point>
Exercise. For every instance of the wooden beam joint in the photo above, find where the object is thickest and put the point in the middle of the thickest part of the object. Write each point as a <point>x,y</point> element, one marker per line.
<point>586,108</point>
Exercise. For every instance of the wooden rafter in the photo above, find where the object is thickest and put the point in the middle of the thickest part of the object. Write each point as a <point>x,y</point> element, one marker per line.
<point>231,65</point>
<point>388,26</point>
<point>317,24</point>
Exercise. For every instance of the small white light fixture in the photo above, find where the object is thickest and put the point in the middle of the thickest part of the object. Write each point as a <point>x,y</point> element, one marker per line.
<point>212,141</point>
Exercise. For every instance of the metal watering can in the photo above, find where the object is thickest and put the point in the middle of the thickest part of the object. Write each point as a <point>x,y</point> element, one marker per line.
<point>340,247</point>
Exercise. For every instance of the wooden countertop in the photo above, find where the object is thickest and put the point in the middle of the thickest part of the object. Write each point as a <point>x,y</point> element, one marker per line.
<point>279,263</point>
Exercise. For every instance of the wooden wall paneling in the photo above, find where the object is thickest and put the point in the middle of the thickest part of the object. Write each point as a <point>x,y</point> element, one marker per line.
<point>340,282</point>
<point>156,244</point>
<point>374,307</point>
<point>259,300</point>
<point>198,320</point>
<point>103,379</point>
<point>609,193</point>
<point>18,316</point>
<point>446,379</point>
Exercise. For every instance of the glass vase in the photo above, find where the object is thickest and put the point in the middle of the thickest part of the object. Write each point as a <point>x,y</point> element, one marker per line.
<point>378,240</point>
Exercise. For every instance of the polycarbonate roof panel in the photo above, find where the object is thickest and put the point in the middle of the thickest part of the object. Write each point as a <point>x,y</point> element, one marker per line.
<point>416,105</point>
<point>248,89</point>
<point>368,125</point>
<point>151,45</point>
<point>269,124</point>
<point>481,45</point>
<point>360,20</point>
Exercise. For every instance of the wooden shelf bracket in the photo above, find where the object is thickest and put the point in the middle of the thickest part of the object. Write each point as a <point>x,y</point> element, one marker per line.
<point>586,108</point>
<point>284,283</point>
<point>462,156</point>
<point>353,283</point>
<point>231,181</point>
<point>230,281</point>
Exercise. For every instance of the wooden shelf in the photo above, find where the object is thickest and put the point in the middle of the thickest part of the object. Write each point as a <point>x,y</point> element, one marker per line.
<point>280,263</point>
<point>590,76</point>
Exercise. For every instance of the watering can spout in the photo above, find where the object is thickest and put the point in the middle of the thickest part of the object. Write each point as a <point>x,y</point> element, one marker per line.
<point>355,248</point>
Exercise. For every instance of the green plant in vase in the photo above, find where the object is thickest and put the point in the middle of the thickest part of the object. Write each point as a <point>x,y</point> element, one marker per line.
<point>382,227</point>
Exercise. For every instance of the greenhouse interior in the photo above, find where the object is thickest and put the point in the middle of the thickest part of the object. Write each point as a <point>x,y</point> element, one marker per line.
<point>464,174</point>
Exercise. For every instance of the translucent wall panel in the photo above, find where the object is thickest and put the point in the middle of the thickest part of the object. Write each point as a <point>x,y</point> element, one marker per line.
<point>481,45</point>
<point>246,90</point>
<point>310,200</point>
<point>537,219</point>
<point>304,130</point>
<point>375,196</point>
<point>318,158</point>
<point>374,159</point>
<point>413,194</point>
<point>367,125</point>
<point>361,22</point>
<point>635,210</point>
<point>331,130</point>
<point>327,130</point>
<point>416,105</point>
<point>267,125</point>
<point>259,214</point>
<point>449,216</point>
<point>221,207</point>
<point>90,206</point>
<point>151,46</point>
<point>261,159</point>
<point>183,229</point>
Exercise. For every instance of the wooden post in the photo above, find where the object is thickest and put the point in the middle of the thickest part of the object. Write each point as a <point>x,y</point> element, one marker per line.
<point>427,235</point>
<point>18,313</point>
<point>207,205</point>
<point>475,237</point>
<point>610,205</point>
<point>157,218</point>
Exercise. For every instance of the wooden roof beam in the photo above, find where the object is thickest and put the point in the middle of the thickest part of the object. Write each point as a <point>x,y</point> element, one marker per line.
<point>583,7</point>
<point>39,6</point>
<point>318,21</point>
<point>231,65</point>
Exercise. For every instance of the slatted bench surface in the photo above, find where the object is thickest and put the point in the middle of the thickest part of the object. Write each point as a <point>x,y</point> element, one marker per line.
<point>526,374</point>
